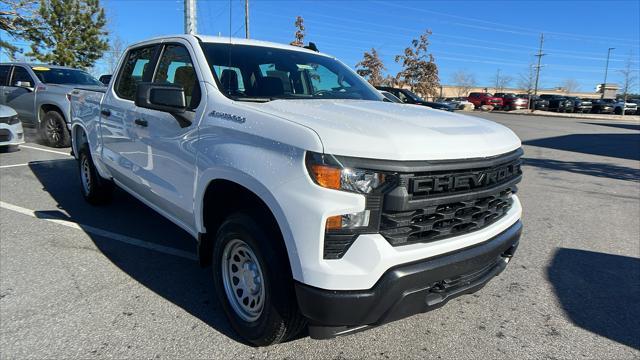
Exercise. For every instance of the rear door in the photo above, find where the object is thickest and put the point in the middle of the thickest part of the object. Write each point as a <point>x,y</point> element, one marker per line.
<point>22,99</point>
<point>5,71</point>
<point>118,112</point>
<point>166,161</point>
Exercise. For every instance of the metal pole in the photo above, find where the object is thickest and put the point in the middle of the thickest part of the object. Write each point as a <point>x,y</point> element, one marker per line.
<point>606,70</point>
<point>539,55</point>
<point>246,18</point>
<point>190,25</point>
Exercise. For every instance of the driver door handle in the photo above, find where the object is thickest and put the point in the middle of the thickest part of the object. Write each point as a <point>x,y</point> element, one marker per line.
<point>105,112</point>
<point>141,122</point>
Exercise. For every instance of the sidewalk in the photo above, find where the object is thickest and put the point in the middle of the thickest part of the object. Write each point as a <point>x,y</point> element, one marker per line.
<point>632,118</point>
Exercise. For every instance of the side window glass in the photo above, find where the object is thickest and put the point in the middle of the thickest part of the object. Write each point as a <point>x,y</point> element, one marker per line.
<point>21,74</point>
<point>402,97</point>
<point>175,67</point>
<point>4,74</point>
<point>133,71</point>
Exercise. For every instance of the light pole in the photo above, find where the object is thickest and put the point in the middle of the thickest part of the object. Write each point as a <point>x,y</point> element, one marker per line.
<point>606,70</point>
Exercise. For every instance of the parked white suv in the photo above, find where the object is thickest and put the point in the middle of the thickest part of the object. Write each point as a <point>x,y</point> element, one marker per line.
<point>317,203</point>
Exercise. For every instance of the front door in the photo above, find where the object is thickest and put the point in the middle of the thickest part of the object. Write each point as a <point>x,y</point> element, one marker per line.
<point>22,98</point>
<point>167,161</point>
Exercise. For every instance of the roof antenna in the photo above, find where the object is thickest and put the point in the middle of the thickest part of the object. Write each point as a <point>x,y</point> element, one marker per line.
<point>312,46</point>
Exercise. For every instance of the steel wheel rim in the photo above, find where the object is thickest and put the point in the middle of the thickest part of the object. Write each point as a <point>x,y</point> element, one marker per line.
<point>54,130</point>
<point>85,175</point>
<point>243,280</point>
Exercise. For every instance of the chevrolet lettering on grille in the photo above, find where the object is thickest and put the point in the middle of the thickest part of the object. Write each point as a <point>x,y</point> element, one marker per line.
<point>441,183</point>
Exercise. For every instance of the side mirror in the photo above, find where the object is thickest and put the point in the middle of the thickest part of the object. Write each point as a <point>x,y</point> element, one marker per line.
<point>162,97</point>
<point>168,98</point>
<point>24,84</point>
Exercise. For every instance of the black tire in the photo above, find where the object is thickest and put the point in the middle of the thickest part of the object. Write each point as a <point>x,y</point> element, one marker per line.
<point>95,189</point>
<point>279,318</point>
<point>53,130</point>
<point>618,111</point>
<point>507,108</point>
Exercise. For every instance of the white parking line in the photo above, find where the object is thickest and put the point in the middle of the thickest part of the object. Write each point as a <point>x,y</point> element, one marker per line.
<point>46,150</point>
<point>10,166</point>
<point>27,164</point>
<point>100,232</point>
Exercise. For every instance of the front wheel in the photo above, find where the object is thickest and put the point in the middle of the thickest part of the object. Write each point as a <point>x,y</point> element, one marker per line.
<point>253,281</point>
<point>53,130</point>
<point>95,189</point>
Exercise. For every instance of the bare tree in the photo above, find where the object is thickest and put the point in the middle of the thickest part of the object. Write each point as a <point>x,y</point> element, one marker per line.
<point>629,79</point>
<point>371,68</point>
<point>570,86</point>
<point>419,69</point>
<point>390,81</point>
<point>502,81</point>
<point>527,81</point>
<point>299,35</point>
<point>464,81</point>
<point>116,48</point>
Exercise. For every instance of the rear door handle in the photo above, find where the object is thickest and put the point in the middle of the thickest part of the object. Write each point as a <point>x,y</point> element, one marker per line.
<point>141,122</point>
<point>105,112</point>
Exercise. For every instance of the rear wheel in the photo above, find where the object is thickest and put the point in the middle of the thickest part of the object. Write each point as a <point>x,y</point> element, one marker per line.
<point>53,130</point>
<point>95,189</point>
<point>253,280</point>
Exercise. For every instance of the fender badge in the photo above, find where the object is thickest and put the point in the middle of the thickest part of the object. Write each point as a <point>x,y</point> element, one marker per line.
<point>230,117</point>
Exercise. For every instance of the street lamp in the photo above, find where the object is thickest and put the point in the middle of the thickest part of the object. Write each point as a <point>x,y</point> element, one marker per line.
<point>606,69</point>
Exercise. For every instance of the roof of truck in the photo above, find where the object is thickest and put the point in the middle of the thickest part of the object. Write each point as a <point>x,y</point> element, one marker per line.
<point>32,65</point>
<point>232,40</point>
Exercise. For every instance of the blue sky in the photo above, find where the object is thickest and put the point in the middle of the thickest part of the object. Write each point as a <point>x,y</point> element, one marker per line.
<point>477,36</point>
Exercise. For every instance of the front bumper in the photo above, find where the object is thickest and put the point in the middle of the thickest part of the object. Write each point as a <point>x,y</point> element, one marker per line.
<point>407,289</point>
<point>11,134</point>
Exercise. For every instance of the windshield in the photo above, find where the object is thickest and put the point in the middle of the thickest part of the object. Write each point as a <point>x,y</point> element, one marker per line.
<point>256,73</point>
<point>412,95</point>
<point>64,76</point>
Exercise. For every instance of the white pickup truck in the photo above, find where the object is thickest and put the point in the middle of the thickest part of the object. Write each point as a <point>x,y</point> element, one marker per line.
<point>317,203</point>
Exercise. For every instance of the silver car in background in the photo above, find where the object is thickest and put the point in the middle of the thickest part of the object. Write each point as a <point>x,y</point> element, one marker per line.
<point>38,93</point>
<point>11,133</point>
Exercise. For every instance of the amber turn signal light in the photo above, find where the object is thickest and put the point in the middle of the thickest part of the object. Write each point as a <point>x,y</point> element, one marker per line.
<point>326,176</point>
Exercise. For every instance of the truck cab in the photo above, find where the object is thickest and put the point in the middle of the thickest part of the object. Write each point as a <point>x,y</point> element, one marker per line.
<point>316,203</point>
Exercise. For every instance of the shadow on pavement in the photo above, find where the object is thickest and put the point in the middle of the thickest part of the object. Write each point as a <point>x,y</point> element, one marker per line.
<point>587,168</point>
<point>599,292</point>
<point>179,280</point>
<point>619,126</point>
<point>623,146</point>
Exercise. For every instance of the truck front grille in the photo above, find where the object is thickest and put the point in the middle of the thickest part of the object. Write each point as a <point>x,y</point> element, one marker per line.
<point>428,205</point>
<point>446,220</point>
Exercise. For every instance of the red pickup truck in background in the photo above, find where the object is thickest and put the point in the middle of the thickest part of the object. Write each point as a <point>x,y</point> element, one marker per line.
<point>511,101</point>
<point>478,99</point>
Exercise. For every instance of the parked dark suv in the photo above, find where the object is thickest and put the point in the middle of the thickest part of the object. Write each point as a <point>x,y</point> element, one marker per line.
<point>558,103</point>
<point>580,105</point>
<point>538,103</point>
<point>408,97</point>
<point>601,106</point>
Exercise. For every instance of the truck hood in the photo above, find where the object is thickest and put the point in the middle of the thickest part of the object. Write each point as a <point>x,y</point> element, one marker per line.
<point>382,130</point>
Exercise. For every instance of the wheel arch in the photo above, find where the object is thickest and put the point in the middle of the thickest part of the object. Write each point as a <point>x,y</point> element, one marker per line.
<point>46,107</point>
<point>224,195</point>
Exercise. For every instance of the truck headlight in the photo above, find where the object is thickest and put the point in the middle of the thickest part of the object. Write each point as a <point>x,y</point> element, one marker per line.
<point>328,172</point>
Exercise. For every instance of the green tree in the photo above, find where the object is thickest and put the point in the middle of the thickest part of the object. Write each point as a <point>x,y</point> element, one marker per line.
<point>299,35</point>
<point>72,34</point>
<point>371,68</point>
<point>419,70</point>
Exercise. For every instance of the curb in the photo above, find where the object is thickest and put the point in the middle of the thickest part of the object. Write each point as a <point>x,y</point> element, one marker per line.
<point>626,118</point>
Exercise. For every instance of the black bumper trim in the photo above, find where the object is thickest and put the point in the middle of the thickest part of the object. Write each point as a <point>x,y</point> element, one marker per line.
<point>407,289</point>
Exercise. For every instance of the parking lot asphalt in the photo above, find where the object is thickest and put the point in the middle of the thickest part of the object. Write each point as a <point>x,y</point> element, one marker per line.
<point>120,281</point>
